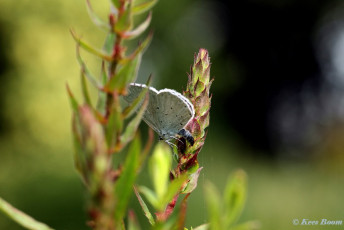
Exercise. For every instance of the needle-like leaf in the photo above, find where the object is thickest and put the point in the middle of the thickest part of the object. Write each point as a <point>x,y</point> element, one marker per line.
<point>124,185</point>
<point>144,207</point>
<point>96,20</point>
<point>144,7</point>
<point>139,29</point>
<point>90,49</point>
<point>149,195</point>
<point>21,218</point>
<point>72,100</point>
<point>101,103</point>
<point>85,70</point>
<point>85,92</point>
<point>109,42</point>
<point>140,49</point>
<point>212,198</point>
<point>125,75</point>
<point>235,196</point>
<point>125,20</point>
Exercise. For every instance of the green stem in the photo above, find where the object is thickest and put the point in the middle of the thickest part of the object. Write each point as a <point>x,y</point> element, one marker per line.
<point>117,56</point>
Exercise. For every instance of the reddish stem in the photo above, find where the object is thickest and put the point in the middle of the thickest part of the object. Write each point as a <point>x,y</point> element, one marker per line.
<point>163,216</point>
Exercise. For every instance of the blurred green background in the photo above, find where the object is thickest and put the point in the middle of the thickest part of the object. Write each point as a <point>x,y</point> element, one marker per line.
<point>277,107</point>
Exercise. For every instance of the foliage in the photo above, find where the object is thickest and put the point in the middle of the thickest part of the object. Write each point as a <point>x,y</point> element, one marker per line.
<point>107,128</point>
<point>224,212</point>
<point>20,217</point>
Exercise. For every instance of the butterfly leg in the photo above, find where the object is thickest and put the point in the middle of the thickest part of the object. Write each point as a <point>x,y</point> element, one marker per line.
<point>170,144</point>
<point>175,138</point>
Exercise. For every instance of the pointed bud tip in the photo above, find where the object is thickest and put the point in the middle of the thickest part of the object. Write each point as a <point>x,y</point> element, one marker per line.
<point>203,52</point>
<point>203,56</point>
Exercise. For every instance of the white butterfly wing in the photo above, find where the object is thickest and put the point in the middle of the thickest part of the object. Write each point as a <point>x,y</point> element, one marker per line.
<point>150,117</point>
<point>175,111</point>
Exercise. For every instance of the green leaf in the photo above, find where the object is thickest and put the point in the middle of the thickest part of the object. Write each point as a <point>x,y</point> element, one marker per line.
<point>140,49</point>
<point>175,154</point>
<point>199,87</point>
<point>21,218</point>
<point>132,222</point>
<point>85,93</point>
<point>125,20</point>
<point>93,146</point>
<point>128,111</point>
<point>80,160</point>
<point>131,128</point>
<point>109,43</point>
<point>125,183</point>
<point>72,100</point>
<point>235,196</point>
<point>193,179</point>
<point>147,148</point>
<point>79,156</point>
<point>249,225</point>
<point>101,103</point>
<point>90,49</point>
<point>139,29</point>
<point>173,188</point>
<point>125,75</point>
<point>150,195</point>
<point>144,7</point>
<point>85,70</point>
<point>114,124</point>
<point>144,207</point>
<point>213,201</point>
<point>159,168</point>
<point>128,72</point>
<point>104,74</point>
<point>96,20</point>
<point>121,225</point>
